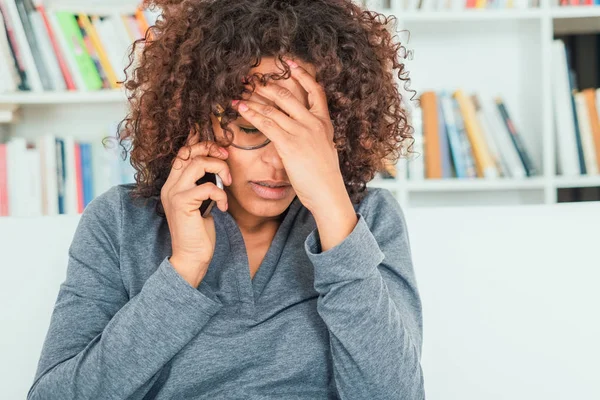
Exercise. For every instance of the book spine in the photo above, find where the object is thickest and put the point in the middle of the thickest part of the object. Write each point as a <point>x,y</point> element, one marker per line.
<point>64,68</point>
<point>467,150</point>
<point>573,88</point>
<point>516,138</point>
<point>431,140</point>
<point>78,178</point>
<point>96,44</point>
<point>483,160</point>
<point>34,82</point>
<point>48,54</point>
<point>444,146</point>
<point>86,165</point>
<point>34,45</point>
<point>93,54</point>
<point>3,181</point>
<point>61,175</point>
<point>453,135</point>
<point>70,28</point>
<point>14,49</point>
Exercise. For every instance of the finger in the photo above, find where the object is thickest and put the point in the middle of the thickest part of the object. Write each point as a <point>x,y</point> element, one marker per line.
<point>194,148</point>
<point>317,98</point>
<point>192,199</point>
<point>282,121</point>
<point>266,125</point>
<point>193,138</point>
<point>187,153</point>
<point>197,168</point>
<point>287,102</point>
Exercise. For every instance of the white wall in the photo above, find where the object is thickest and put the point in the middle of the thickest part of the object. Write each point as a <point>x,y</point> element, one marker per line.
<point>509,295</point>
<point>510,301</point>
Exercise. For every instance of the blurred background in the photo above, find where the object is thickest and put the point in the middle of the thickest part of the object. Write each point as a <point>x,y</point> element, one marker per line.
<point>501,188</point>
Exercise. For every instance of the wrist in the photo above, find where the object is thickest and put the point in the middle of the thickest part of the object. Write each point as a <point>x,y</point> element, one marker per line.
<point>191,271</point>
<point>333,207</point>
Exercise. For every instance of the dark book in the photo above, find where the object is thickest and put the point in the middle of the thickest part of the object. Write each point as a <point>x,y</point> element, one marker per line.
<point>12,44</point>
<point>34,45</point>
<point>528,164</point>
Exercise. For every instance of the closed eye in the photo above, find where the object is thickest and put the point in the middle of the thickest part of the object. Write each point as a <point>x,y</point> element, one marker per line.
<point>249,130</point>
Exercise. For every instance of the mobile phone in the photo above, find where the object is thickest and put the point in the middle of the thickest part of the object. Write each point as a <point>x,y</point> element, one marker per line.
<point>208,204</point>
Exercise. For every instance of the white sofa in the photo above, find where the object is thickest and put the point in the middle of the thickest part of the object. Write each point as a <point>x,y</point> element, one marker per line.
<point>510,299</point>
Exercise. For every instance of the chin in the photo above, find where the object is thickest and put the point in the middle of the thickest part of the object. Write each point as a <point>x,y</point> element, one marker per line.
<point>259,209</point>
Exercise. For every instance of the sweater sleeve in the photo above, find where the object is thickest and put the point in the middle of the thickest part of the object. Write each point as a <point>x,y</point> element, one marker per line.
<point>369,301</point>
<point>101,343</point>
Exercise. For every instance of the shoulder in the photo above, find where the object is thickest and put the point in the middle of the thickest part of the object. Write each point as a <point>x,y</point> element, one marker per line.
<point>119,200</point>
<point>106,206</point>
<point>383,215</point>
<point>100,226</point>
<point>115,214</point>
<point>114,207</point>
<point>379,205</point>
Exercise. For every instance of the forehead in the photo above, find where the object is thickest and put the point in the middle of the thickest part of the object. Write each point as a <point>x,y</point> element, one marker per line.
<point>272,65</point>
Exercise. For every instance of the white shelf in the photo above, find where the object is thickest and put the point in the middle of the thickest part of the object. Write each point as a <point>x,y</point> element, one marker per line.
<point>442,185</point>
<point>391,184</point>
<point>447,185</point>
<point>490,15</point>
<point>466,15</point>
<point>453,185</point>
<point>67,97</point>
<point>575,12</point>
<point>93,6</point>
<point>578,181</point>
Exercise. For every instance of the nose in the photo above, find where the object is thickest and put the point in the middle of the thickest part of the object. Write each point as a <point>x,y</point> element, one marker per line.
<point>269,155</point>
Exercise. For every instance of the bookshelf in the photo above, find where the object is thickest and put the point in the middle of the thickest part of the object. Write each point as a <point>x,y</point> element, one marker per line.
<point>499,52</point>
<point>489,51</point>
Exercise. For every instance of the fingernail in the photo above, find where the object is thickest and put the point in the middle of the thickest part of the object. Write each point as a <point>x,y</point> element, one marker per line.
<point>224,152</point>
<point>243,107</point>
<point>292,63</point>
<point>234,102</point>
<point>230,179</point>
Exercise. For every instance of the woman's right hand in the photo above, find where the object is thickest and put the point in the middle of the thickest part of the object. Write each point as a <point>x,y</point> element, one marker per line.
<point>193,237</point>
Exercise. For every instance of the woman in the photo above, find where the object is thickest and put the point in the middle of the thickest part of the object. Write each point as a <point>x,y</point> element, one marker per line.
<point>305,291</point>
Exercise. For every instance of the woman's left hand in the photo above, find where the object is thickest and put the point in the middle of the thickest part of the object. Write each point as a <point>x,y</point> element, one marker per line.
<point>303,139</point>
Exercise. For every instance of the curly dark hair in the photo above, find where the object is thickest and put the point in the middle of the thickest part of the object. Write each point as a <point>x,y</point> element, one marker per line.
<point>199,53</point>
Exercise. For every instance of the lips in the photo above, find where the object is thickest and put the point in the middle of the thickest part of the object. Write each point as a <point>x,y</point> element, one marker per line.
<point>272,184</point>
<point>271,193</point>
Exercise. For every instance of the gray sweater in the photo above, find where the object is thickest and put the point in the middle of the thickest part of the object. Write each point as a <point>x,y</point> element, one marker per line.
<point>345,323</point>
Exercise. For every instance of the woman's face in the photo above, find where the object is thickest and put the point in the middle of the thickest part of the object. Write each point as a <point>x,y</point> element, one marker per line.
<point>263,164</point>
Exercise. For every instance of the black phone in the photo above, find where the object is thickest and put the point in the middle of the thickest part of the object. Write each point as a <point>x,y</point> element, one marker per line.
<point>208,204</point>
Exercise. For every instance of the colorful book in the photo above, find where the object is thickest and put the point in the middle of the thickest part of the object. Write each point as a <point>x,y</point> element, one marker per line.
<point>76,46</point>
